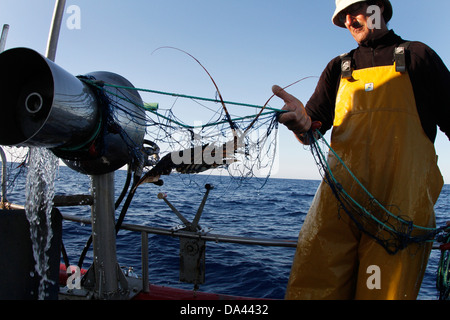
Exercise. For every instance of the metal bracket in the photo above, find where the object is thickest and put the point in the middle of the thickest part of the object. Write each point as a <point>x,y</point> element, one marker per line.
<point>187,225</point>
<point>192,251</point>
<point>192,261</point>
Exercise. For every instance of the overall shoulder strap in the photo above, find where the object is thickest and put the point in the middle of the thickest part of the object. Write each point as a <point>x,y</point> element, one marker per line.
<point>347,65</point>
<point>400,57</point>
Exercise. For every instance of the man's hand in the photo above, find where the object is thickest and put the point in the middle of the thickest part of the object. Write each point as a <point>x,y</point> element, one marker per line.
<point>295,119</point>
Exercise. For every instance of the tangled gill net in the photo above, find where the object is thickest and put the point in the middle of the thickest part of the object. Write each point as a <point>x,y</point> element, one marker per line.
<point>384,223</point>
<point>192,134</point>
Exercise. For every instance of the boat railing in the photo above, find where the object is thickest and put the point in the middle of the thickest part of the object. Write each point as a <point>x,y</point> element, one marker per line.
<point>180,233</point>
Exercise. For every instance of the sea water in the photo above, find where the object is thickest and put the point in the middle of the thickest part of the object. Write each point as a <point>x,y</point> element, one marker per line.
<point>39,193</point>
<point>260,208</point>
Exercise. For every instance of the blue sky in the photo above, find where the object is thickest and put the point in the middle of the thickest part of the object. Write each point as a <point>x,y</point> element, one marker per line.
<point>246,45</point>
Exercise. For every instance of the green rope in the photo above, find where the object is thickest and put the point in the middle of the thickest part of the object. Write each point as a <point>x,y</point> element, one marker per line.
<point>154,110</point>
<point>443,271</point>
<point>87,142</point>
<point>401,231</point>
<point>364,189</point>
<point>192,97</point>
<point>337,183</point>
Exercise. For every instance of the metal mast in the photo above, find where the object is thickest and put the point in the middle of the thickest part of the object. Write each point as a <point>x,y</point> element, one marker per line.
<point>4,36</point>
<point>55,28</point>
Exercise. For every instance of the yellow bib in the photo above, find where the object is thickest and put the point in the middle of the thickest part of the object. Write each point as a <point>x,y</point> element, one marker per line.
<point>378,134</point>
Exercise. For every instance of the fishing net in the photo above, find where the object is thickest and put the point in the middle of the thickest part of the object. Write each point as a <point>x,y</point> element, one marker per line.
<point>195,137</point>
<point>443,272</point>
<point>13,166</point>
<point>383,222</point>
<point>241,145</point>
<point>192,135</point>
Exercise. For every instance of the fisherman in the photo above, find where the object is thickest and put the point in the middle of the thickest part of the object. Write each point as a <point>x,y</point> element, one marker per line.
<point>383,101</point>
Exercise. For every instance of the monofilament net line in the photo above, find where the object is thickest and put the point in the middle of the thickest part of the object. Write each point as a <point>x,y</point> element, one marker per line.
<point>443,271</point>
<point>391,230</point>
<point>258,131</point>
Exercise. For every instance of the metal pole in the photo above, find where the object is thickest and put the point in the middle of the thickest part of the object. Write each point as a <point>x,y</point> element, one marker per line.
<point>4,176</point>
<point>144,257</point>
<point>55,29</point>
<point>4,36</point>
<point>2,153</point>
<point>106,268</point>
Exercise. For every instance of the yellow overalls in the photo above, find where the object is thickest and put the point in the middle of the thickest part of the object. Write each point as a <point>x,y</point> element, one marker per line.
<point>378,134</point>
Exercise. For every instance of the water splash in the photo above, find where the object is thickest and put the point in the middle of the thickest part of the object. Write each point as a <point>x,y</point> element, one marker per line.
<point>39,195</point>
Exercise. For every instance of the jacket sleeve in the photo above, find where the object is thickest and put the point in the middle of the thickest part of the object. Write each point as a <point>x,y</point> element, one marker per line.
<point>431,81</point>
<point>320,106</point>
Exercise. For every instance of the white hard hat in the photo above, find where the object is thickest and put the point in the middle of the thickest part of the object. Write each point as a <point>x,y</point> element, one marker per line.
<point>343,4</point>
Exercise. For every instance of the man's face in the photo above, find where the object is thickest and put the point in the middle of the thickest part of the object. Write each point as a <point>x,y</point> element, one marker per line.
<point>356,18</point>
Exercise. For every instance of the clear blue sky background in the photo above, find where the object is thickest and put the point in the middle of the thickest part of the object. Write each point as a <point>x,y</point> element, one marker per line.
<point>247,45</point>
